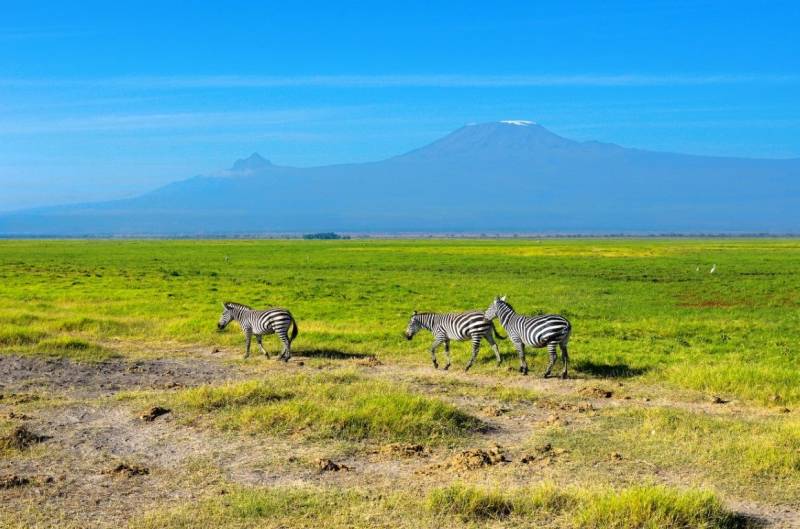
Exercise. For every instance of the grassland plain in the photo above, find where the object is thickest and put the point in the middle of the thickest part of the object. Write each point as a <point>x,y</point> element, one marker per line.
<point>682,411</point>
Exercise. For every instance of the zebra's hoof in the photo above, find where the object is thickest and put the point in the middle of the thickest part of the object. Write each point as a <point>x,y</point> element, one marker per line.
<point>446,367</point>
<point>564,376</point>
<point>546,375</point>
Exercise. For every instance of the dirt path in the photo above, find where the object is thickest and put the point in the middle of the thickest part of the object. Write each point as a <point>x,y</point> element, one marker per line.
<point>19,374</point>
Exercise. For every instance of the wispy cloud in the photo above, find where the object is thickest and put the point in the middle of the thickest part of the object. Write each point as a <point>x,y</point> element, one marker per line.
<point>172,120</point>
<point>391,81</point>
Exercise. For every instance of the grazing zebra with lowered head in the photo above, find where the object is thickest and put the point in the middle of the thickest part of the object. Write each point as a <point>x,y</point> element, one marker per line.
<point>462,326</point>
<point>550,330</point>
<point>260,322</point>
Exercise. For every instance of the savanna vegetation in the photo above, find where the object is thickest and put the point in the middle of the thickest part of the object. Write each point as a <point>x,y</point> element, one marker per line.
<point>682,411</point>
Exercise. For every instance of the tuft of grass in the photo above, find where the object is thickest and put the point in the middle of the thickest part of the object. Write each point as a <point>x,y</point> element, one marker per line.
<point>641,507</point>
<point>74,349</point>
<point>339,405</point>
<point>471,502</point>
<point>286,507</point>
<point>654,507</point>
<point>105,327</point>
<point>12,336</point>
<point>232,396</point>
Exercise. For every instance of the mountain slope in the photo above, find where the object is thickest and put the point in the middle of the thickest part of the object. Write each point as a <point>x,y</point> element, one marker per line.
<point>505,176</point>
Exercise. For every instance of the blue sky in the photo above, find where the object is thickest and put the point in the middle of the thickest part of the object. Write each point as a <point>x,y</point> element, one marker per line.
<point>107,100</point>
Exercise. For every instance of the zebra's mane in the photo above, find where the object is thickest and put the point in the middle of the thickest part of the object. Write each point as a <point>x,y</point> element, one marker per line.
<point>506,303</point>
<point>234,305</point>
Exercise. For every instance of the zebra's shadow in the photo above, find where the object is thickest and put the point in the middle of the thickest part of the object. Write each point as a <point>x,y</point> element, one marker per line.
<point>599,370</point>
<point>333,354</point>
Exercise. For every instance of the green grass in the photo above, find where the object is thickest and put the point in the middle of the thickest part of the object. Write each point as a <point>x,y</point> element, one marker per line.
<point>340,405</point>
<point>457,505</point>
<point>642,313</point>
<point>758,457</point>
<point>286,507</point>
<point>639,307</point>
<point>641,507</point>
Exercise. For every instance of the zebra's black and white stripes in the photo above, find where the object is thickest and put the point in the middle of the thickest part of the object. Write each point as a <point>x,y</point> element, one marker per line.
<point>455,326</point>
<point>260,322</point>
<point>549,331</point>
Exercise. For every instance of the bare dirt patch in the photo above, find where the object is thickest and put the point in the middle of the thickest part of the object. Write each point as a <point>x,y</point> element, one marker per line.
<point>23,374</point>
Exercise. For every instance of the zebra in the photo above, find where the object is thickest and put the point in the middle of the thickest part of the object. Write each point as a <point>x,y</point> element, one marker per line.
<point>260,322</point>
<point>550,330</point>
<point>455,326</point>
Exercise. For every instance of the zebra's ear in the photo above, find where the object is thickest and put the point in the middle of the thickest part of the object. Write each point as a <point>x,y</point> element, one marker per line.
<point>414,313</point>
<point>503,298</point>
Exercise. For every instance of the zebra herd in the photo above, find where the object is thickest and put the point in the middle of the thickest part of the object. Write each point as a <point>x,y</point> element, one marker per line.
<point>550,330</point>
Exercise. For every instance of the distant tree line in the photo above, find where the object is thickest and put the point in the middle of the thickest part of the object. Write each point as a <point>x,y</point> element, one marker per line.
<point>328,235</point>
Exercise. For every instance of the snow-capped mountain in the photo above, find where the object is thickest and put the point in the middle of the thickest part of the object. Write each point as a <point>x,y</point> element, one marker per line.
<point>508,176</point>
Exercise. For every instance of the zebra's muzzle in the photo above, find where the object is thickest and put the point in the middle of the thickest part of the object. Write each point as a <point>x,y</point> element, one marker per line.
<point>408,336</point>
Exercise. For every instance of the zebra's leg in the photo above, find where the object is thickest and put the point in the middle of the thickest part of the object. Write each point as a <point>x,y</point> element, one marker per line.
<point>261,345</point>
<point>551,349</point>
<point>447,352</point>
<point>565,357</point>
<point>286,351</point>
<point>248,335</point>
<point>523,364</point>
<point>490,339</point>
<point>476,345</point>
<point>436,343</point>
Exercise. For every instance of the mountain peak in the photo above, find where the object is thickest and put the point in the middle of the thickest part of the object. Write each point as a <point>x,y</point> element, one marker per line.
<point>518,122</point>
<point>496,139</point>
<point>255,162</point>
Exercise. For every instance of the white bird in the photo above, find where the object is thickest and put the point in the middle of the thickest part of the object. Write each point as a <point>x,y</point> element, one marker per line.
<point>713,269</point>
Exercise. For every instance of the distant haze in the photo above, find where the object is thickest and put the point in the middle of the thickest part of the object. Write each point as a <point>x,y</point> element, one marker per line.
<point>500,177</point>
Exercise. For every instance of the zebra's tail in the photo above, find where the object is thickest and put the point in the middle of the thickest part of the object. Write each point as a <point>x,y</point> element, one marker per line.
<point>497,334</point>
<point>294,330</point>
